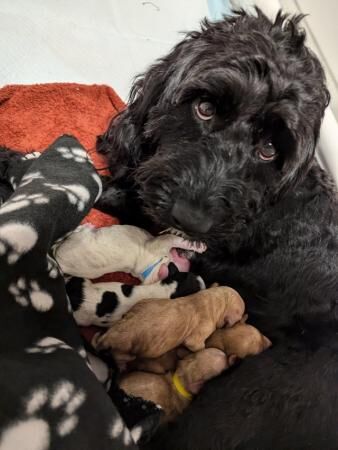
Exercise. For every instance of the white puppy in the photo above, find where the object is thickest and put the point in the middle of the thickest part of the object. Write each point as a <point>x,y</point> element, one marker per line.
<point>91,252</point>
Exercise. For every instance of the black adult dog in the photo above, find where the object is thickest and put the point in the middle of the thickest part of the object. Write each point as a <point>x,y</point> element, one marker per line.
<point>218,141</point>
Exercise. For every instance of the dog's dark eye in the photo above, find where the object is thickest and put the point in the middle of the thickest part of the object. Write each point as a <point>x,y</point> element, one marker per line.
<point>205,110</point>
<point>267,152</point>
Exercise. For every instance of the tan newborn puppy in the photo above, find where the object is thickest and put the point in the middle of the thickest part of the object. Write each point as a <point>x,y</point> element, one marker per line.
<point>174,392</point>
<point>154,327</point>
<point>241,340</point>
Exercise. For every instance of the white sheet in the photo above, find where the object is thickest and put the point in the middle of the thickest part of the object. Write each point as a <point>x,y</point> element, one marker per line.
<point>89,41</point>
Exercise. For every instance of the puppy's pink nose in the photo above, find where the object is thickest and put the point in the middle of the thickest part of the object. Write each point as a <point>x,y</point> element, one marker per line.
<point>190,218</point>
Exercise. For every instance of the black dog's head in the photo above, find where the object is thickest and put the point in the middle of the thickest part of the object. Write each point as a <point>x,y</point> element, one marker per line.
<point>220,127</point>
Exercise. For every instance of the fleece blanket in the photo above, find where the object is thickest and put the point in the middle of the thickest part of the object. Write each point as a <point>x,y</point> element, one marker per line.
<point>48,395</point>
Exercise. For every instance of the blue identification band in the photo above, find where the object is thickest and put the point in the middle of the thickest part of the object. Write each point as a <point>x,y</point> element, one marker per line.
<point>149,269</point>
<point>218,8</point>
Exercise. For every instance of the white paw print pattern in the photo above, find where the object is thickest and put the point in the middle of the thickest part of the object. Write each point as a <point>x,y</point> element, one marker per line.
<point>29,177</point>
<point>78,154</point>
<point>98,181</point>
<point>99,368</point>
<point>22,201</point>
<point>16,239</point>
<point>82,352</point>
<point>136,433</point>
<point>13,183</point>
<point>48,345</point>
<point>29,293</point>
<point>32,155</point>
<point>77,194</point>
<point>119,430</point>
<point>69,305</point>
<point>33,431</point>
<point>52,267</point>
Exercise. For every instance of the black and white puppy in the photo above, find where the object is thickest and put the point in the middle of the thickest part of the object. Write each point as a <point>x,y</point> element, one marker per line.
<point>103,303</point>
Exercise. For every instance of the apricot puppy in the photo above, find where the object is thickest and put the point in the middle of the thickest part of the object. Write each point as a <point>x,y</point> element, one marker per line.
<point>174,391</point>
<point>153,327</point>
<point>241,340</point>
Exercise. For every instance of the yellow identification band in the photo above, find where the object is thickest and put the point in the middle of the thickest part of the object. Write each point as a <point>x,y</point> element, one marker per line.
<point>180,388</point>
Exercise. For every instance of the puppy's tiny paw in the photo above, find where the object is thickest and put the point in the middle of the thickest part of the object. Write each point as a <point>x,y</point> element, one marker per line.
<point>95,342</point>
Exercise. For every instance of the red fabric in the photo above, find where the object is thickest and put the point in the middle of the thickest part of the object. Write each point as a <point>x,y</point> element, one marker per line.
<point>33,116</point>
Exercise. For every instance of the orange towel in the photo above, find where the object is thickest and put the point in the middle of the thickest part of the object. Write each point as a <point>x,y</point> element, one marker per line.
<point>33,116</point>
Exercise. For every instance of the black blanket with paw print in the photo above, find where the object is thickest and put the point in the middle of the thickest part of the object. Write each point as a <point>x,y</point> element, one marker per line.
<point>49,398</point>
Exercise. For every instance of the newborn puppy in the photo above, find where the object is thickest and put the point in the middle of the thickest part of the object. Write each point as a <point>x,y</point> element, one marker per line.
<point>153,327</point>
<point>241,340</point>
<point>102,304</point>
<point>174,392</point>
<point>91,252</point>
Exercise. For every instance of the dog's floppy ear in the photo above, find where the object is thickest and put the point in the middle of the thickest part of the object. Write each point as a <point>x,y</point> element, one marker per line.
<point>124,142</point>
<point>120,143</point>
<point>301,153</point>
<point>303,120</point>
<point>296,167</point>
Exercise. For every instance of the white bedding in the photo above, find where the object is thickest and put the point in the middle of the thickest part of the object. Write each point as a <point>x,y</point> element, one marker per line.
<point>89,41</point>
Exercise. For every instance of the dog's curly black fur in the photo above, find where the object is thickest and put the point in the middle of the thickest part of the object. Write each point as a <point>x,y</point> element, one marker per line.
<point>225,127</point>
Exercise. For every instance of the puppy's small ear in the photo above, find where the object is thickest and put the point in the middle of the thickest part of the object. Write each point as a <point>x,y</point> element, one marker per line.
<point>244,319</point>
<point>266,342</point>
<point>173,270</point>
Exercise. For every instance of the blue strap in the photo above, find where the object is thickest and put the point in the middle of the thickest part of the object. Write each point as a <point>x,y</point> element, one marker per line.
<point>149,269</point>
<point>218,8</point>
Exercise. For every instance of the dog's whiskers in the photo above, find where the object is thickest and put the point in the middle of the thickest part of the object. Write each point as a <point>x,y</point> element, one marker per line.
<point>176,232</point>
<point>179,233</point>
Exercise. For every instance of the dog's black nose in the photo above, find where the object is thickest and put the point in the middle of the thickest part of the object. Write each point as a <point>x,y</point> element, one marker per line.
<point>190,218</point>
